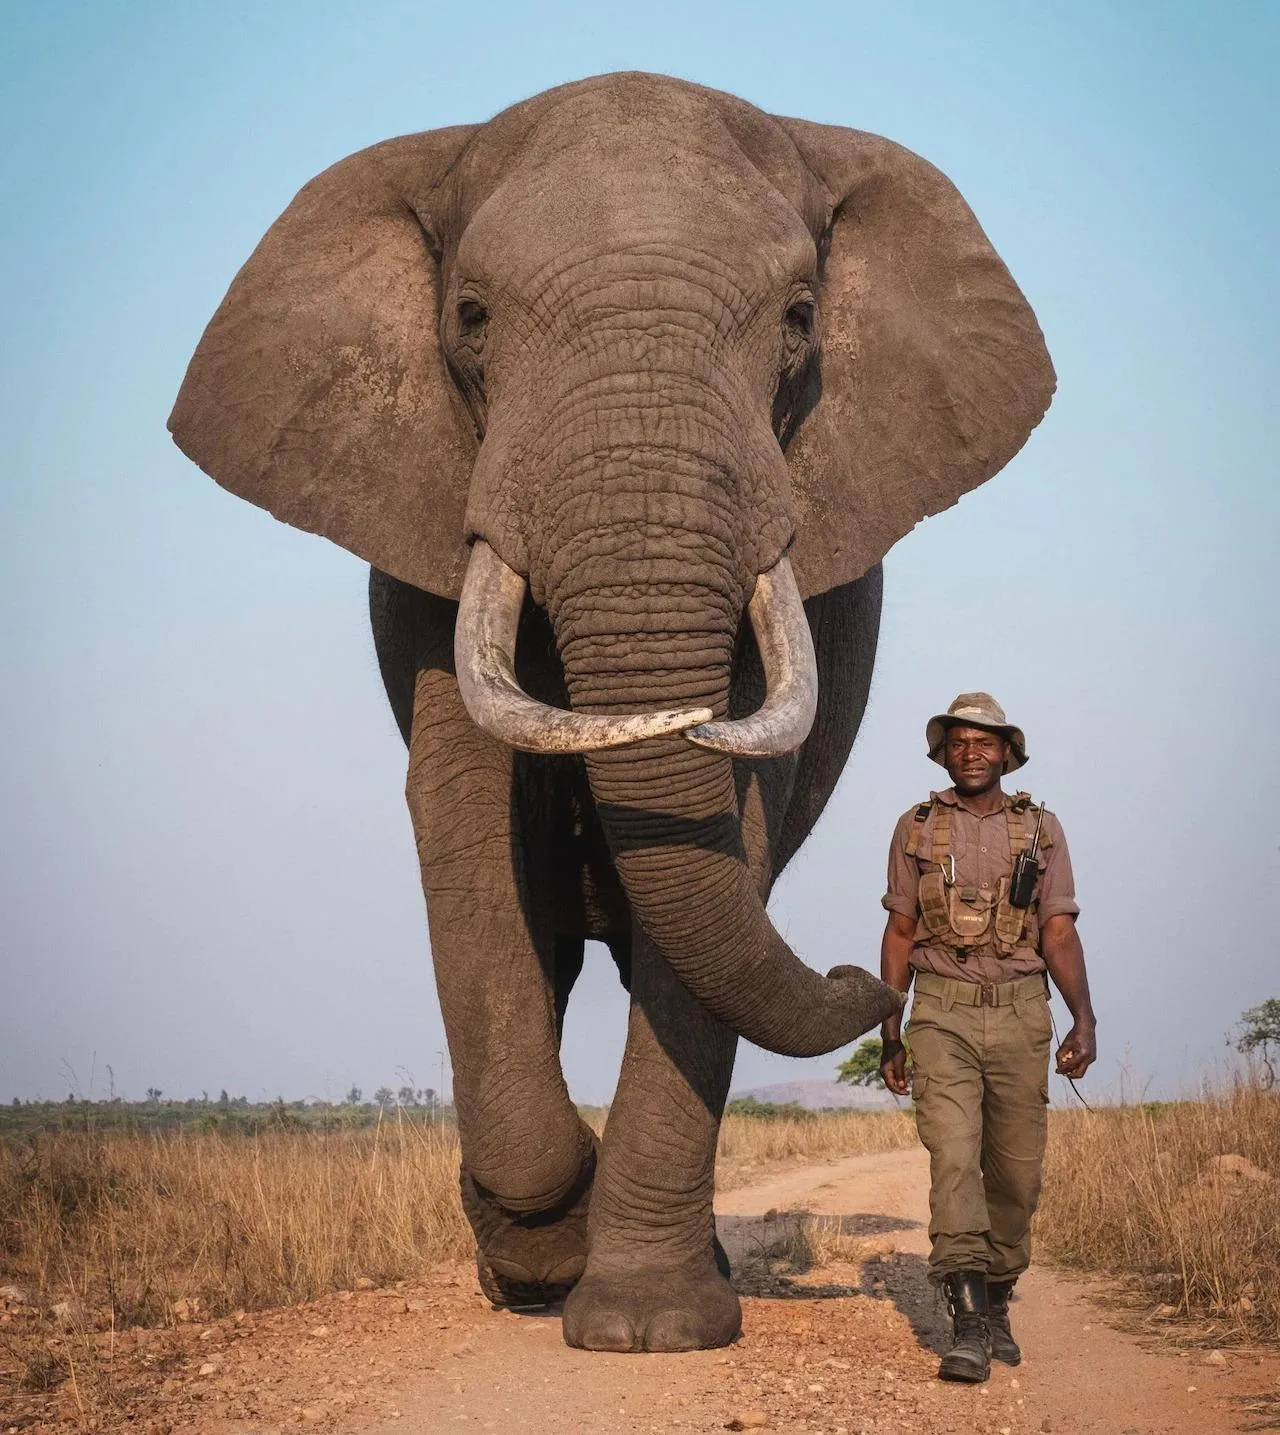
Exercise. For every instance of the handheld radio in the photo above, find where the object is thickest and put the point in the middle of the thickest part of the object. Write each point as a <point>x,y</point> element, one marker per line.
<point>1022,885</point>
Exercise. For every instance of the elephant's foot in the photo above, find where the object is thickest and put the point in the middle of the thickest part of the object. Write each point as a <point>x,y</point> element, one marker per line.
<point>690,1308</point>
<point>529,1258</point>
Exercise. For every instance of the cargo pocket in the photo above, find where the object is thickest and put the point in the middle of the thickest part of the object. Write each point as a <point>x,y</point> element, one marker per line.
<point>918,1084</point>
<point>1044,1091</point>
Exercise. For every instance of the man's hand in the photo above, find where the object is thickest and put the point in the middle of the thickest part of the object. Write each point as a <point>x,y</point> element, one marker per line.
<point>1064,956</point>
<point>1077,1053</point>
<point>893,1067</point>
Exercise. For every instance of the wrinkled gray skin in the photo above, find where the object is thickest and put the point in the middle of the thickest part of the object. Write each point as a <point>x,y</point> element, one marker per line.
<point>643,339</point>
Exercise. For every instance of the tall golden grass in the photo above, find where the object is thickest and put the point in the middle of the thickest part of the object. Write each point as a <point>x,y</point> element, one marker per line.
<point>129,1227</point>
<point>1143,1193</point>
<point>819,1136</point>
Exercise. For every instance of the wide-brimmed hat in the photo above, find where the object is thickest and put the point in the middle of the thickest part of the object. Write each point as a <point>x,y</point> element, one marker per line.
<point>976,710</point>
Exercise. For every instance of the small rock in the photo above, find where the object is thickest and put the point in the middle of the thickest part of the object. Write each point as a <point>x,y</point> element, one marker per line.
<point>15,1295</point>
<point>415,1305</point>
<point>208,1368</point>
<point>364,1283</point>
<point>1237,1167</point>
<point>816,1389</point>
<point>207,1333</point>
<point>1165,1312</point>
<point>1046,1425</point>
<point>748,1420</point>
<point>1191,1390</point>
<point>319,1332</point>
<point>312,1413</point>
<point>67,1313</point>
<point>1215,1357</point>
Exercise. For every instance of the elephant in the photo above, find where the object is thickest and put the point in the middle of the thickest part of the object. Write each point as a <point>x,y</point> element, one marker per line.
<point>623,394</point>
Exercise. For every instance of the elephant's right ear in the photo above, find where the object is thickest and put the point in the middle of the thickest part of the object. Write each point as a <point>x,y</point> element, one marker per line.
<point>934,370</point>
<point>319,390</point>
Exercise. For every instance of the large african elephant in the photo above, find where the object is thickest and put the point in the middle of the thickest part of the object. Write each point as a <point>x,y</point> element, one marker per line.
<point>606,389</point>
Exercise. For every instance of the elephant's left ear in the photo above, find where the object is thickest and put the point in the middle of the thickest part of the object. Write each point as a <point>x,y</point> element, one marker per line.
<point>934,370</point>
<point>319,389</point>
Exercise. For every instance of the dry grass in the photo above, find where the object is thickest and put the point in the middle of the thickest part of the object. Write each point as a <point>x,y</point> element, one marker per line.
<point>1139,1192</point>
<point>821,1136</point>
<point>126,1228</point>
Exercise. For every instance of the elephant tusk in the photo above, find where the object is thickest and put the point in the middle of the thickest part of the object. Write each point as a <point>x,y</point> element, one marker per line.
<point>484,646</point>
<point>791,675</point>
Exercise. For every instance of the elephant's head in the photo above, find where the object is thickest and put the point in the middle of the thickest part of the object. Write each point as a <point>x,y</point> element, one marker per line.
<point>635,344</point>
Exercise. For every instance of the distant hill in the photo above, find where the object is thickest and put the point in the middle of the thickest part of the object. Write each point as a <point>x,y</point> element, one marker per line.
<point>817,1095</point>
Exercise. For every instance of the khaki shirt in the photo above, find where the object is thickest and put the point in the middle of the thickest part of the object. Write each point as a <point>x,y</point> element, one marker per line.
<point>980,846</point>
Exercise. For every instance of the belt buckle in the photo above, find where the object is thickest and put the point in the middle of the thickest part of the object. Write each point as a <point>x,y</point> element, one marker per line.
<point>988,997</point>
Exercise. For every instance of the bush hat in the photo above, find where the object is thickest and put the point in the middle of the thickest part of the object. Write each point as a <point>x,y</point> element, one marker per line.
<point>976,710</point>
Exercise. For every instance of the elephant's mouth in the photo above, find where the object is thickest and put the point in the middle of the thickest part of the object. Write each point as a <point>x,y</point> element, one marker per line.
<point>484,654</point>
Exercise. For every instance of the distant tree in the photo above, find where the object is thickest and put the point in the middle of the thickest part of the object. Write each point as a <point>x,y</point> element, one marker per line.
<point>154,1093</point>
<point>384,1096</point>
<point>1259,1031</point>
<point>223,1099</point>
<point>354,1096</point>
<point>768,1110</point>
<point>17,1101</point>
<point>429,1098</point>
<point>405,1096</point>
<point>862,1066</point>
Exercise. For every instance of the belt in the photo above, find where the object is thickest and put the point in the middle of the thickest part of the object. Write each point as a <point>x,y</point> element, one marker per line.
<point>952,993</point>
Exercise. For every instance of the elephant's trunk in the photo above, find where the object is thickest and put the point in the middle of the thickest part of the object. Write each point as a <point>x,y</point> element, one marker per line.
<point>671,815</point>
<point>670,810</point>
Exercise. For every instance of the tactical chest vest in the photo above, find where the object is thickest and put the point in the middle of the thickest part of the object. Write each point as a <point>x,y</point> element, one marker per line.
<point>963,918</point>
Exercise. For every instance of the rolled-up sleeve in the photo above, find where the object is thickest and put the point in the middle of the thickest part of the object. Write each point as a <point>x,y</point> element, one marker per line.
<point>1057,884</point>
<point>903,893</point>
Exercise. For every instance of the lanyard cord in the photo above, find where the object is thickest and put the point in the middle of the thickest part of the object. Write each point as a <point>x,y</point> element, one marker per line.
<point>1071,1079</point>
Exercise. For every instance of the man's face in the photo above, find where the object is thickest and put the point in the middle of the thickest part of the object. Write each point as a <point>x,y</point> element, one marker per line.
<point>975,759</point>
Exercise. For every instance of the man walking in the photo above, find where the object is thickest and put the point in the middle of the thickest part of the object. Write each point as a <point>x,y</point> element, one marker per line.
<point>981,901</point>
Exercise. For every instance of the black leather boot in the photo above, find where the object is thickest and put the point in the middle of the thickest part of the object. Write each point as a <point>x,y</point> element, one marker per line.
<point>1003,1345</point>
<point>970,1355</point>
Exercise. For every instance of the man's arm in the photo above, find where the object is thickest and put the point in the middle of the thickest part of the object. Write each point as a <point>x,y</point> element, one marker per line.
<point>895,971</point>
<point>1064,956</point>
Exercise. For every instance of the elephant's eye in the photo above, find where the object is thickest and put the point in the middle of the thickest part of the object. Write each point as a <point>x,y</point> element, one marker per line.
<point>799,319</point>
<point>472,318</point>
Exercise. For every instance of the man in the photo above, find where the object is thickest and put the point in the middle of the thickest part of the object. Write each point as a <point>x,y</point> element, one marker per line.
<point>980,1029</point>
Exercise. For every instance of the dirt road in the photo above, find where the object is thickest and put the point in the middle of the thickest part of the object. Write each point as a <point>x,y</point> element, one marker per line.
<point>847,1347</point>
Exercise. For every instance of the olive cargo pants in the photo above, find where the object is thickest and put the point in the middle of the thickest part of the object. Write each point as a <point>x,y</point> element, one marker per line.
<point>980,1083</point>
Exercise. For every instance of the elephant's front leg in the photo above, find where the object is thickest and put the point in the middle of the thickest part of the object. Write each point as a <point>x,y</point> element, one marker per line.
<point>655,1279</point>
<point>527,1158</point>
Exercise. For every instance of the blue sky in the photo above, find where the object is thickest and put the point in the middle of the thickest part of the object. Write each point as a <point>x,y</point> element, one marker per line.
<point>207,875</point>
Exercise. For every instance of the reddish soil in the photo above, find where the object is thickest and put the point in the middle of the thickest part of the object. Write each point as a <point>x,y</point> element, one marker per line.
<point>848,1348</point>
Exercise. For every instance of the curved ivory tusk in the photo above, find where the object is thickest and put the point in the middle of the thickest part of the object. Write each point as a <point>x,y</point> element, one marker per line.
<point>790,670</point>
<point>484,647</point>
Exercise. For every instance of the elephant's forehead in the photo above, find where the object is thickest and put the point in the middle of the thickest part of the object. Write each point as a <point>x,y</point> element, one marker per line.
<point>632,196</point>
